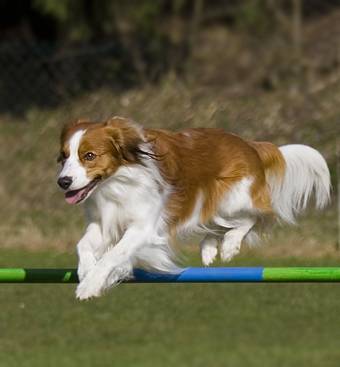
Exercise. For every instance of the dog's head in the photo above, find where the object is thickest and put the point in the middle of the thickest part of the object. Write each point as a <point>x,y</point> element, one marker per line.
<point>91,152</point>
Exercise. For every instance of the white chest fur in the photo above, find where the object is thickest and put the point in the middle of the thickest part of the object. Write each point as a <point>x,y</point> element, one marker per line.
<point>133,196</point>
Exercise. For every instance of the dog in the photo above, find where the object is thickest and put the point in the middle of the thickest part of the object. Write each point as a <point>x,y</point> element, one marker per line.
<point>142,187</point>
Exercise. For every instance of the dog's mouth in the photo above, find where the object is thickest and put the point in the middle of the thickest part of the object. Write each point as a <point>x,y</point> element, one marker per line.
<point>77,196</point>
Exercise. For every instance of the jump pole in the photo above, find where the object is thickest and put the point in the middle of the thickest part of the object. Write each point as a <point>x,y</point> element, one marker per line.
<point>188,275</point>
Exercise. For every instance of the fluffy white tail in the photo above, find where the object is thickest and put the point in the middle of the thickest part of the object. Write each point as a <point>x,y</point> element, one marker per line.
<point>306,172</point>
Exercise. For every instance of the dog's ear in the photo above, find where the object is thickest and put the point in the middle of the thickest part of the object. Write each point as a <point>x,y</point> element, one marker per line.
<point>125,137</point>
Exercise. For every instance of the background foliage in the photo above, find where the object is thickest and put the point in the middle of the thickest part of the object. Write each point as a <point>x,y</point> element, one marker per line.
<point>62,49</point>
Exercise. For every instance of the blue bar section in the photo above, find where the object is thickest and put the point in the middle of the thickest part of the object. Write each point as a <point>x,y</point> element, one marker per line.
<point>202,275</point>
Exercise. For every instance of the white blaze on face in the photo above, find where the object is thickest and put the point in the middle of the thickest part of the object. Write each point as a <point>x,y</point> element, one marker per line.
<point>73,167</point>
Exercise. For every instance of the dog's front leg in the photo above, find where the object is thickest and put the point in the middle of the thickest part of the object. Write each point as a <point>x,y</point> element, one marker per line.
<point>115,265</point>
<point>87,247</point>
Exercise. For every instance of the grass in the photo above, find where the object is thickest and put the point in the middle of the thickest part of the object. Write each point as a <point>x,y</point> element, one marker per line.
<point>184,325</point>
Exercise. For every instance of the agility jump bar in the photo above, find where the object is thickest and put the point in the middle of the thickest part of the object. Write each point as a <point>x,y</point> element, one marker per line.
<point>188,275</point>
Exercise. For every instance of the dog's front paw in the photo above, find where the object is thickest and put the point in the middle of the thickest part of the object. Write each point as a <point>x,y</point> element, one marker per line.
<point>101,278</point>
<point>90,287</point>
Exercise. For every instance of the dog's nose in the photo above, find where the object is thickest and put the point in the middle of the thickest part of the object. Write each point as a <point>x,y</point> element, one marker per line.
<point>64,182</point>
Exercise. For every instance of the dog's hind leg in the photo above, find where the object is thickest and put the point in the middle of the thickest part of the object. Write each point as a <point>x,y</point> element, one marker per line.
<point>232,239</point>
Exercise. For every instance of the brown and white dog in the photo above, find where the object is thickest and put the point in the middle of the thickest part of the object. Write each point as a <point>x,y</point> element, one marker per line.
<point>144,186</point>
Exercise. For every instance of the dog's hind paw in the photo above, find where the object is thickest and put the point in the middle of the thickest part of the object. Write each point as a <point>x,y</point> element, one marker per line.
<point>228,251</point>
<point>208,255</point>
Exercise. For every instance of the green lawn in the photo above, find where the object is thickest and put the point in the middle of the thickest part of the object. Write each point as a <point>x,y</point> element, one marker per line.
<point>169,324</point>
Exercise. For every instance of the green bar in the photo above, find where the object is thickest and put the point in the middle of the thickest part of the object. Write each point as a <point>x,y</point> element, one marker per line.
<point>21,275</point>
<point>301,274</point>
<point>12,275</point>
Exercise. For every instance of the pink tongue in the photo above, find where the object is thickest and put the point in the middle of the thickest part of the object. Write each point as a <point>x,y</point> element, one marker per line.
<point>73,198</point>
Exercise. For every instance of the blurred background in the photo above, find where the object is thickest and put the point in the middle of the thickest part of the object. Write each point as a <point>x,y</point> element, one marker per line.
<point>263,69</point>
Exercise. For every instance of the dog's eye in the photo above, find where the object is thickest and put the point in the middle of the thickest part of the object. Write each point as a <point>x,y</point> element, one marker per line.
<point>89,156</point>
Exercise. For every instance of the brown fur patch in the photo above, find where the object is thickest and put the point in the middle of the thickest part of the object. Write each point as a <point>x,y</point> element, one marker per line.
<point>274,165</point>
<point>271,157</point>
<point>207,161</point>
